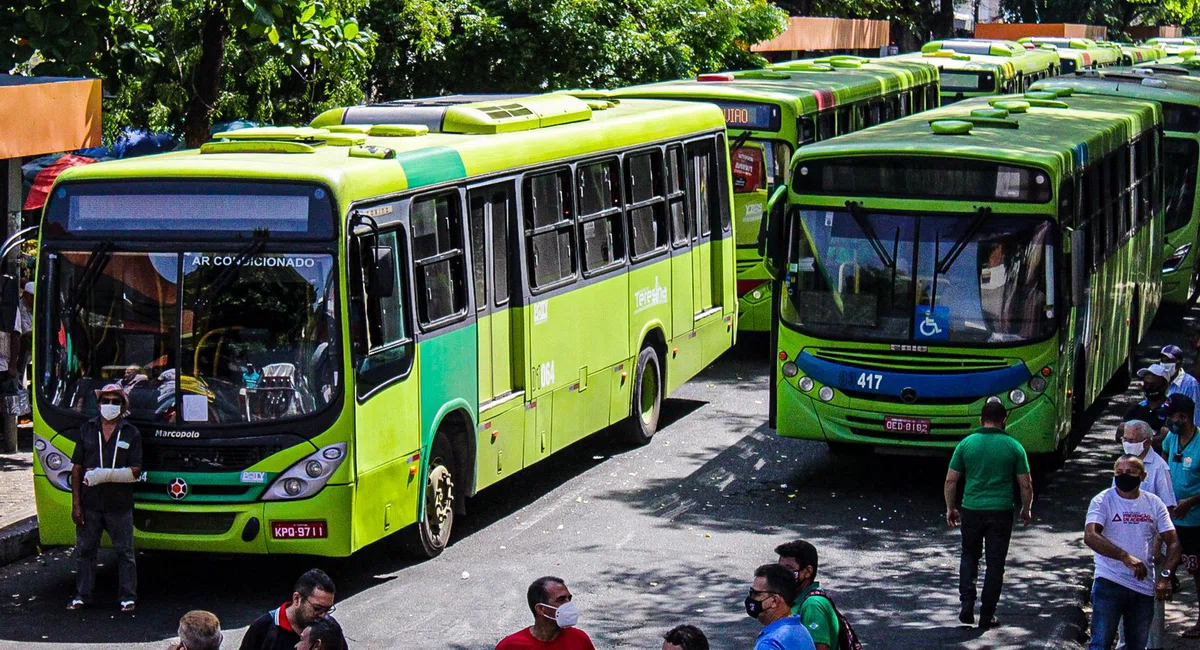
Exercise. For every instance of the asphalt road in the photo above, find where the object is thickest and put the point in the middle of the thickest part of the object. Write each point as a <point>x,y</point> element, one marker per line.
<point>646,539</point>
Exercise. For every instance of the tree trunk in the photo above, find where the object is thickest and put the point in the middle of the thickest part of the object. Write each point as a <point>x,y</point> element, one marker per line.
<point>206,78</point>
<point>944,24</point>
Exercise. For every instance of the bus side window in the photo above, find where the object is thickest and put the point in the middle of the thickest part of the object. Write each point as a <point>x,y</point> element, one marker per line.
<point>379,314</point>
<point>676,202</point>
<point>646,204</point>
<point>549,229</point>
<point>845,122</point>
<point>807,130</point>
<point>721,195</point>
<point>826,125</point>
<point>932,98</point>
<point>437,235</point>
<point>479,252</point>
<point>600,227</point>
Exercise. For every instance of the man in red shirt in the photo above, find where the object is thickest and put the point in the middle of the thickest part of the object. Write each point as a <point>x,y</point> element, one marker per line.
<point>554,619</point>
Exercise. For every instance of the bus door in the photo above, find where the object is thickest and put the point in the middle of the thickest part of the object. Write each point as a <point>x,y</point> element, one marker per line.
<point>387,410</point>
<point>501,337</point>
<point>680,203</point>
<point>500,340</point>
<point>749,191</point>
<point>705,210</point>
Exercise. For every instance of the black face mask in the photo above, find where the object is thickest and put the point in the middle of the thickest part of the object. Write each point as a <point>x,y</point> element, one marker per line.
<point>1127,482</point>
<point>753,607</point>
<point>1154,394</point>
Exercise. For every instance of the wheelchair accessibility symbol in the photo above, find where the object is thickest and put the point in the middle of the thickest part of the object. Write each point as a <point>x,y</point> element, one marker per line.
<point>932,325</point>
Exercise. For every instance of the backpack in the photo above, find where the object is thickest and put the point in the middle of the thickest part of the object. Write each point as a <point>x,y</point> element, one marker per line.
<point>847,639</point>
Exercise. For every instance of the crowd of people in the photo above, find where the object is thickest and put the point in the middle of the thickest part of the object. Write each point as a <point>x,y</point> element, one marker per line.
<point>1141,529</point>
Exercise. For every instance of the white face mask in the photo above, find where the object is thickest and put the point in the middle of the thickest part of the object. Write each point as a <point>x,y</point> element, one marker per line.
<point>110,411</point>
<point>993,277</point>
<point>1134,448</point>
<point>565,616</point>
<point>1170,369</point>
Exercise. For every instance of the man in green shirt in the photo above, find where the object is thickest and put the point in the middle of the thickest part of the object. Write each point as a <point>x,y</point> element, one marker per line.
<point>816,612</point>
<point>990,460</point>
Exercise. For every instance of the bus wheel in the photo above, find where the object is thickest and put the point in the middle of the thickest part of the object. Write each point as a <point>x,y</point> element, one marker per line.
<point>647,398</point>
<point>433,531</point>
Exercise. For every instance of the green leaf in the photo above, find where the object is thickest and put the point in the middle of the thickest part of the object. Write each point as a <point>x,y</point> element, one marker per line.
<point>273,35</point>
<point>308,12</point>
<point>250,5</point>
<point>262,16</point>
<point>350,31</point>
<point>329,21</point>
<point>354,47</point>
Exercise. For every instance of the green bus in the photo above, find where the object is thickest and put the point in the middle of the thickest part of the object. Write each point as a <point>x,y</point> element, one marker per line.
<point>979,67</point>
<point>1075,53</point>
<point>1180,100</point>
<point>1133,54</point>
<point>772,112</point>
<point>1174,46</point>
<point>1002,248</point>
<point>1182,64</point>
<point>329,335</point>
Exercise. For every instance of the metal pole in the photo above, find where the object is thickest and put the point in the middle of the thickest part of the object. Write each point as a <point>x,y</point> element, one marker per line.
<point>12,224</point>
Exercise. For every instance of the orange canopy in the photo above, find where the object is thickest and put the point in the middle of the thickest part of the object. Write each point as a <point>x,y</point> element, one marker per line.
<point>40,115</point>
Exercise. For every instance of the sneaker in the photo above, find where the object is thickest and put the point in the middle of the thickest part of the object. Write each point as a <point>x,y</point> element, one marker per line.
<point>989,622</point>
<point>966,615</point>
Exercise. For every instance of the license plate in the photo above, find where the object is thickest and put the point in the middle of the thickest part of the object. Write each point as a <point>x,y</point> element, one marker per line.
<point>906,425</point>
<point>298,529</point>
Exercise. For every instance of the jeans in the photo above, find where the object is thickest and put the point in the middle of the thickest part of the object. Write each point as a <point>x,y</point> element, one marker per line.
<point>119,526</point>
<point>1111,603</point>
<point>990,529</point>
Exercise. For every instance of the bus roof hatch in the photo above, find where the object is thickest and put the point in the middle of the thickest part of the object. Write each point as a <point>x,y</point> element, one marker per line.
<point>520,114</point>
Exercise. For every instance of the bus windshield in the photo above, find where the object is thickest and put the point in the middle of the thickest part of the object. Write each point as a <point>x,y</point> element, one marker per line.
<point>196,338</point>
<point>867,276</point>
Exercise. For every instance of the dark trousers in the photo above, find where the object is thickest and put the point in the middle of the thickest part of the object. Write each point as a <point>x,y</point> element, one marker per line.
<point>119,526</point>
<point>990,529</point>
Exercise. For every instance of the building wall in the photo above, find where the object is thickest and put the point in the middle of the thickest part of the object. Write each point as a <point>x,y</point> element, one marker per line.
<point>806,34</point>
<point>1013,31</point>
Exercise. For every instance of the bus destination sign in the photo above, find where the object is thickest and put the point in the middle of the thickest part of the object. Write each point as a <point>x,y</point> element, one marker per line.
<point>750,116</point>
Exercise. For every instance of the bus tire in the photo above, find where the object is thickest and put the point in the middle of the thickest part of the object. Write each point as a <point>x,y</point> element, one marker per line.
<point>647,398</point>
<point>431,534</point>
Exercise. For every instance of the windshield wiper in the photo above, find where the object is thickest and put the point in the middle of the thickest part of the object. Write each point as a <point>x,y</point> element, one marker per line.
<point>96,262</point>
<point>230,272</point>
<point>943,264</point>
<point>864,224</point>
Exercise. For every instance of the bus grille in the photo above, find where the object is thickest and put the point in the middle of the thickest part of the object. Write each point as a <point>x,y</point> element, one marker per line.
<point>195,489</point>
<point>204,458</point>
<point>183,523</point>
<point>900,362</point>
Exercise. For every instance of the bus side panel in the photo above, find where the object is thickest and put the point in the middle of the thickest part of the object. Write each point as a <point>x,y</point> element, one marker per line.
<point>501,446</point>
<point>449,380</point>
<point>387,434</point>
<point>652,299</point>
<point>681,293</point>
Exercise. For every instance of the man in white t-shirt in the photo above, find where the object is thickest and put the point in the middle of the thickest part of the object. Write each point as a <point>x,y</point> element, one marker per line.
<point>1135,438</point>
<point>1122,525</point>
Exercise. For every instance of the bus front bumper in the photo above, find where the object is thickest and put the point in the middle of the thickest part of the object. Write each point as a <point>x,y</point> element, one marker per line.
<point>802,416</point>
<point>214,528</point>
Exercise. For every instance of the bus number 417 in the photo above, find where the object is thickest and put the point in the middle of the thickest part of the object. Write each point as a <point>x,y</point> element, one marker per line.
<point>869,381</point>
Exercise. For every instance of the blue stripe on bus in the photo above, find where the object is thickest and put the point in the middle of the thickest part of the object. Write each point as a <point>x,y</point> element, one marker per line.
<point>430,166</point>
<point>932,385</point>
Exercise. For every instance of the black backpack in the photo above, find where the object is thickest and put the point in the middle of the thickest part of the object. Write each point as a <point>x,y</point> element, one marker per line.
<point>847,639</point>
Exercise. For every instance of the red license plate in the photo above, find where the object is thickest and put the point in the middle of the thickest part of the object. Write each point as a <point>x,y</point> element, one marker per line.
<point>906,425</point>
<point>298,530</point>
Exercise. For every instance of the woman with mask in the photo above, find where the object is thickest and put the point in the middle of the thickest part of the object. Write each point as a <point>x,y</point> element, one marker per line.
<point>107,460</point>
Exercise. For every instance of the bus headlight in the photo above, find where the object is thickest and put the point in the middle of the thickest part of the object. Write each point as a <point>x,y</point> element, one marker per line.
<point>1176,258</point>
<point>826,393</point>
<point>1016,396</point>
<point>55,463</point>
<point>806,384</point>
<point>307,477</point>
<point>1037,384</point>
<point>790,370</point>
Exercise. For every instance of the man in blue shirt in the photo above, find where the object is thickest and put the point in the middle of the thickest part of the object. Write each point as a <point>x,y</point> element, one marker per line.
<point>770,602</point>
<point>1181,381</point>
<point>1183,458</point>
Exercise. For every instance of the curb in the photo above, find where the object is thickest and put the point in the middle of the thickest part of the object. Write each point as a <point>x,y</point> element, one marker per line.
<point>1071,631</point>
<point>18,540</point>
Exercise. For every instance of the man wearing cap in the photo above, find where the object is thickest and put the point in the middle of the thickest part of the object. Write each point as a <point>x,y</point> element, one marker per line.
<point>107,460</point>
<point>1183,457</point>
<point>1181,381</point>
<point>1153,409</point>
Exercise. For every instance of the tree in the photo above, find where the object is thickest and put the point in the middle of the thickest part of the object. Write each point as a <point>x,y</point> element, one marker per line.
<point>538,45</point>
<point>177,65</point>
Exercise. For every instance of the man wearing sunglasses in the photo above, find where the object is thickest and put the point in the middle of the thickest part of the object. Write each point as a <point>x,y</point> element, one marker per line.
<point>282,627</point>
<point>107,460</point>
<point>770,602</point>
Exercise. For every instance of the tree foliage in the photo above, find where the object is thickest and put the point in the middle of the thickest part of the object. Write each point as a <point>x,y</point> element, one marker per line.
<point>179,65</point>
<point>1117,15</point>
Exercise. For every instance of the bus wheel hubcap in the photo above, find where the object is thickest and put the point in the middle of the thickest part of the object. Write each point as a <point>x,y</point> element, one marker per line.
<point>649,394</point>
<point>439,503</point>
